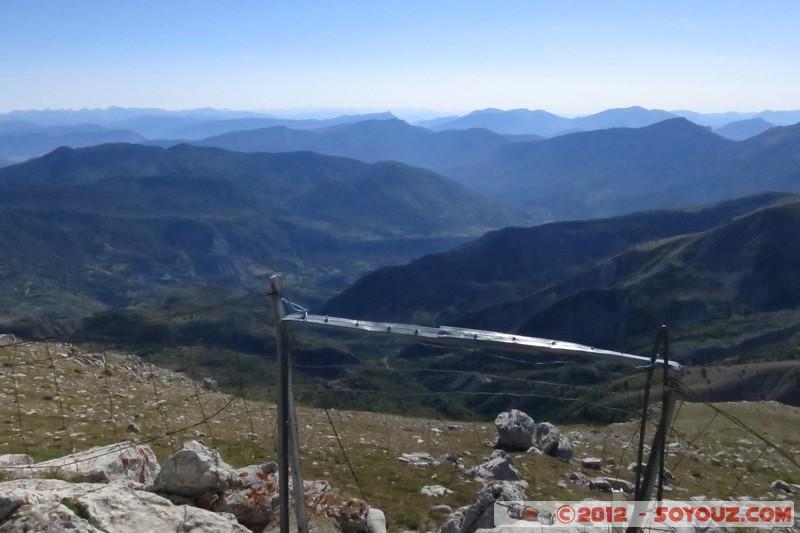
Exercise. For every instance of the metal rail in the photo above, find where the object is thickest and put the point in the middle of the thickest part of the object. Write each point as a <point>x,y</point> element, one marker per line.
<point>463,337</point>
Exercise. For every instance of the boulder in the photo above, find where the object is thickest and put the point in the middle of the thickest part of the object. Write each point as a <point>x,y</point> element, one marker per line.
<point>480,513</point>
<point>564,448</point>
<point>515,430</point>
<point>102,464</point>
<point>497,467</point>
<point>547,437</point>
<point>252,496</point>
<point>117,507</point>
<point>193,471</point>
<point>376,521</point>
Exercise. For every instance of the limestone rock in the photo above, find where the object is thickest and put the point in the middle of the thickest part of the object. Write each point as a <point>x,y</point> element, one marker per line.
<point>480,513</point>
<point>121,461</point>
<point>782,485</point>
<point>564,448</point>
<point>515,430</point>
<point>595,463</point>
<point>434,491</point>
<point>193,471</point>
<point>497,467</point>
<point>47,517</point>
<point>13,461</point>
<point>547,437</point>
<point>53,506</point>
<point>252,496</point>
<point>376,521</point>
<point>419,459</point>
<point>607,484</point>
<point>578,477</point>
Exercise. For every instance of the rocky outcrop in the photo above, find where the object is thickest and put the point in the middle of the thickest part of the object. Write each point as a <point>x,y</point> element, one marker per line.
<point>121,488</point>
<point>11,462</point>
<point>515,431</point>
<point>121,506</point>
<point>123,461</point>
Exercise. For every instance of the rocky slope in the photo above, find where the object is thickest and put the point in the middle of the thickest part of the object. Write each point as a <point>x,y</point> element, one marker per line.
<point>423,473</point>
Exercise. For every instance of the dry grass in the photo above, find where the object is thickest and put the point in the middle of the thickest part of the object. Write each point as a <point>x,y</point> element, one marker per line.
<point>54,398</point>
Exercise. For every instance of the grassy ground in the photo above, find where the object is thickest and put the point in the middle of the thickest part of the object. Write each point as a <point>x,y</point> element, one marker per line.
<point>55,398</point>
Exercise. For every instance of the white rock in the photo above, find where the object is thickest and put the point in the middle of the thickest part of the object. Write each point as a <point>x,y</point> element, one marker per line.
<point>547,437</point>
<point>594,463</point>
<point>121,461</point>
<point>193,471</point>
<point>376,521</point>
<point>515,430</point>
<point>117,507</point>
<point>434,491</point>
<point>497,468</point>
<point>15,460</point>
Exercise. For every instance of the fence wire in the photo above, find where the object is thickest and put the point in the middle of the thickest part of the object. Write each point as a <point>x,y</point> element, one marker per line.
<point>56,398</point>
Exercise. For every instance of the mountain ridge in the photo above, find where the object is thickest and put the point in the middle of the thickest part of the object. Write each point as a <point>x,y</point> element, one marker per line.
<point>604,282</point>
<point>133,223</point>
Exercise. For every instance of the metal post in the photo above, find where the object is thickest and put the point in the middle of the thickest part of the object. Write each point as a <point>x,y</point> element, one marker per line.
<point>645,481</point>
<point>288,446</point>
<point>283,406</point>
<point>645,406</point>
<point>297,478</point>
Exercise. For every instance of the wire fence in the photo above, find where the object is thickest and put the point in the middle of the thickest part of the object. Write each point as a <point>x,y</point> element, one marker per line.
<point>57,398</point>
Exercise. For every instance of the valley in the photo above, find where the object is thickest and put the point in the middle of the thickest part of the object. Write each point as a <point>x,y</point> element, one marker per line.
<point>597,236</point>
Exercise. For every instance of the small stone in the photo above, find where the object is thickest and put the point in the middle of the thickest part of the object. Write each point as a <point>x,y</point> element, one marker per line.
<point>434,491</point>
<point>595,463</point>
<point>782,485</point>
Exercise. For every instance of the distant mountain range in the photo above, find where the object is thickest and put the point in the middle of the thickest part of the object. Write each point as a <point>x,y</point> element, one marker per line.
<point>371,141</point>
<point>21,140</point>
<point>723,277</point>
<point>83,229</point>
<point>525,121</point>
<point>540,122</point>
<point>589,174</point>
<point>619,170</point>
<point>744,129</point>
<point>27,134</point>
<point>580,175</point>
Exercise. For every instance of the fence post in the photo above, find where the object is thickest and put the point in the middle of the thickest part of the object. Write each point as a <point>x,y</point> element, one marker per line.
<point>288,445</point>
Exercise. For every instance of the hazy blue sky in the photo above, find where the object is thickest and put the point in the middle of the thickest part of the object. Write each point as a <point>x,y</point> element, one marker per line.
<point>566,56</point>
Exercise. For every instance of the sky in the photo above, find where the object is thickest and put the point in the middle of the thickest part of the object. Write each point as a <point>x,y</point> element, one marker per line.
<point>570,57</point>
